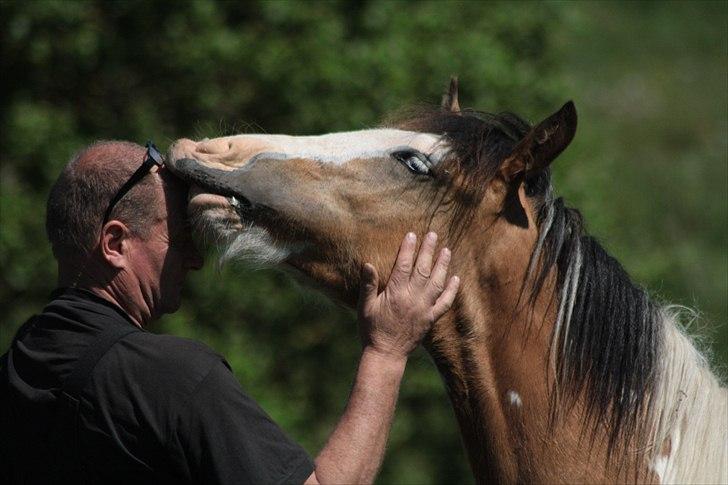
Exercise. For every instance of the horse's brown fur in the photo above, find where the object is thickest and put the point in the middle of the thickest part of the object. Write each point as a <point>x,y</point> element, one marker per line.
<point>488,344</point>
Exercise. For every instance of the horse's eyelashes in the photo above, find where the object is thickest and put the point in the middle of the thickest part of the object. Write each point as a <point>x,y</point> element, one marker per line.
<point>415,161</point>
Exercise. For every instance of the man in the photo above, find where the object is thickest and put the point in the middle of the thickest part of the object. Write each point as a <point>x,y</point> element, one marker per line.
<point>89,396</point>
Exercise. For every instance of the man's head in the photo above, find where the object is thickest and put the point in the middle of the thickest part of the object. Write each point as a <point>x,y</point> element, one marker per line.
<point>141,255</point>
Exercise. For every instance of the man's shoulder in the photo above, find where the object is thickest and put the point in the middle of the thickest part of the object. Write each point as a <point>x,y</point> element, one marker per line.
<point>164,348</point>
<point>159,363</point>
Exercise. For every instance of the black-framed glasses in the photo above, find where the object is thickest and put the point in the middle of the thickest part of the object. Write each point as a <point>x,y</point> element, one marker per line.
<point>151,158</point>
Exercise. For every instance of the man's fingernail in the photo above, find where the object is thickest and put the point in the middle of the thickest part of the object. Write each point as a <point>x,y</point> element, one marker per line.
<point>411,236</point>
<point>431,236</point>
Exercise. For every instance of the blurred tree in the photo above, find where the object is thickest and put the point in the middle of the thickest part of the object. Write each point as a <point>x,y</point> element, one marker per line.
<point>649,166</point>
<point>75,72</point>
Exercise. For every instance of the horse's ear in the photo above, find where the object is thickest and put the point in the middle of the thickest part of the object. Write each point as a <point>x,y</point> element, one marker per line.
<point>450,99</point>
<point>542,144</point>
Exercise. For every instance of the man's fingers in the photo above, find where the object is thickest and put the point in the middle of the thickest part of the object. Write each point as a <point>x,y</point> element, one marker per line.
<point>369,284</point>
<point>439,273</point>
<point>405,258</point>
<point>423,266</point>
<point>444,302</point>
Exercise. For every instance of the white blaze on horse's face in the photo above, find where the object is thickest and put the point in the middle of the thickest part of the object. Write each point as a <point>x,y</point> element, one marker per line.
<point>334,148</point>
<point>328,187</point>
<point>339,148</point>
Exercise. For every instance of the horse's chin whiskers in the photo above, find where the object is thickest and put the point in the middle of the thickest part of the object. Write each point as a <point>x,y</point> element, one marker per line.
<point>237,240</point>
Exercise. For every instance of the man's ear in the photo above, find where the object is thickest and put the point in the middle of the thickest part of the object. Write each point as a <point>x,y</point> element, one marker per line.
<point>542,144</point>
<point>114,243</point>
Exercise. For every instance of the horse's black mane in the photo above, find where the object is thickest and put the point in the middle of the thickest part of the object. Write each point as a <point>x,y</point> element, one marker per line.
<point>610,331</point>
<point>606,349</point>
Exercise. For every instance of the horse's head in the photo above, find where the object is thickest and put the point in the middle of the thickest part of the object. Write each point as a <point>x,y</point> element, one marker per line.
<point>326,204</point>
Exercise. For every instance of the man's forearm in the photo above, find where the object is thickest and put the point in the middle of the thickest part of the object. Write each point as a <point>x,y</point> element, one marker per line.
<point>391,323</point>
<point>355,449</point>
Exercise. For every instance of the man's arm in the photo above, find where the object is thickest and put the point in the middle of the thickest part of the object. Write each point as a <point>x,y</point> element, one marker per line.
<point>392,324</point>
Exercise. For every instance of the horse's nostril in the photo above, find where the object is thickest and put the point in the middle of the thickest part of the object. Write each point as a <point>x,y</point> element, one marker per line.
<point>214,147</point>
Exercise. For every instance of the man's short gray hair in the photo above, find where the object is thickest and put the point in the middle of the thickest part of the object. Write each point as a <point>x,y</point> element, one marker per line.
<point>83,190</point>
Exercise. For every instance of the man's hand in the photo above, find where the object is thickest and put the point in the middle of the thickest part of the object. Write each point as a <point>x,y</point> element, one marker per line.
<point>392,324</point>
<point>394,321</point>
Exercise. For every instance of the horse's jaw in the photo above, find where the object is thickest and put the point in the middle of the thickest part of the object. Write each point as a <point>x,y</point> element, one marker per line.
<point>241,235</point>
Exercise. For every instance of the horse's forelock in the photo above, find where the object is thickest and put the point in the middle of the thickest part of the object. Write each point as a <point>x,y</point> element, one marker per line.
<point>479,142</point>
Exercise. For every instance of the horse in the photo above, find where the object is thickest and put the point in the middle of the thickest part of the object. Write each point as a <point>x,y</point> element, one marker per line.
<point>559,367</point>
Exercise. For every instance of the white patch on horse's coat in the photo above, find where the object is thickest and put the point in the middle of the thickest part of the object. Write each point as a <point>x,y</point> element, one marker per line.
<point>514,398</point>
<point>339,148</point>
<point>659,466</point>
<point>662,465</point>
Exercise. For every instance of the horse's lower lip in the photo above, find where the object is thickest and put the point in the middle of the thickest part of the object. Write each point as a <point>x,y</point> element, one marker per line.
<point>198,196</point>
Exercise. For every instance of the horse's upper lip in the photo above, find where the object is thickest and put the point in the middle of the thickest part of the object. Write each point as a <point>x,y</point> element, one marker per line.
<point>213,180</point>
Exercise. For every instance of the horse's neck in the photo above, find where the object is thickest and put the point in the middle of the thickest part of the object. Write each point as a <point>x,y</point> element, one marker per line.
<point>496,383</point>
<point>495,367</point>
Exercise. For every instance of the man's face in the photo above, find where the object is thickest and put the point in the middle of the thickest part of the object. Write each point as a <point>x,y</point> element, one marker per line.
<point>161,261</point>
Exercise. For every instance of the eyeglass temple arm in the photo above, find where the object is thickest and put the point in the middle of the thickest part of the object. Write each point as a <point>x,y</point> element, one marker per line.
<point>140,172</point>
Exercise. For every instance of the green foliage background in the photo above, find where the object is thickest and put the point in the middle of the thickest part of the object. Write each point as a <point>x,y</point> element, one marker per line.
<point>648,167</point>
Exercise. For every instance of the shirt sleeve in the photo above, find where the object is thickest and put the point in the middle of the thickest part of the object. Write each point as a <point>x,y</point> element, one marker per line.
<point>225,437</point>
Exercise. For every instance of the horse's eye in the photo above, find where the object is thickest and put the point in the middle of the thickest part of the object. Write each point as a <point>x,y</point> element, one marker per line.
<point>415,161</point>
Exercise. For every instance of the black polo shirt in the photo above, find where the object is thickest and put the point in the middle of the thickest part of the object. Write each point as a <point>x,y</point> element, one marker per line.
<point>156,408</point>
